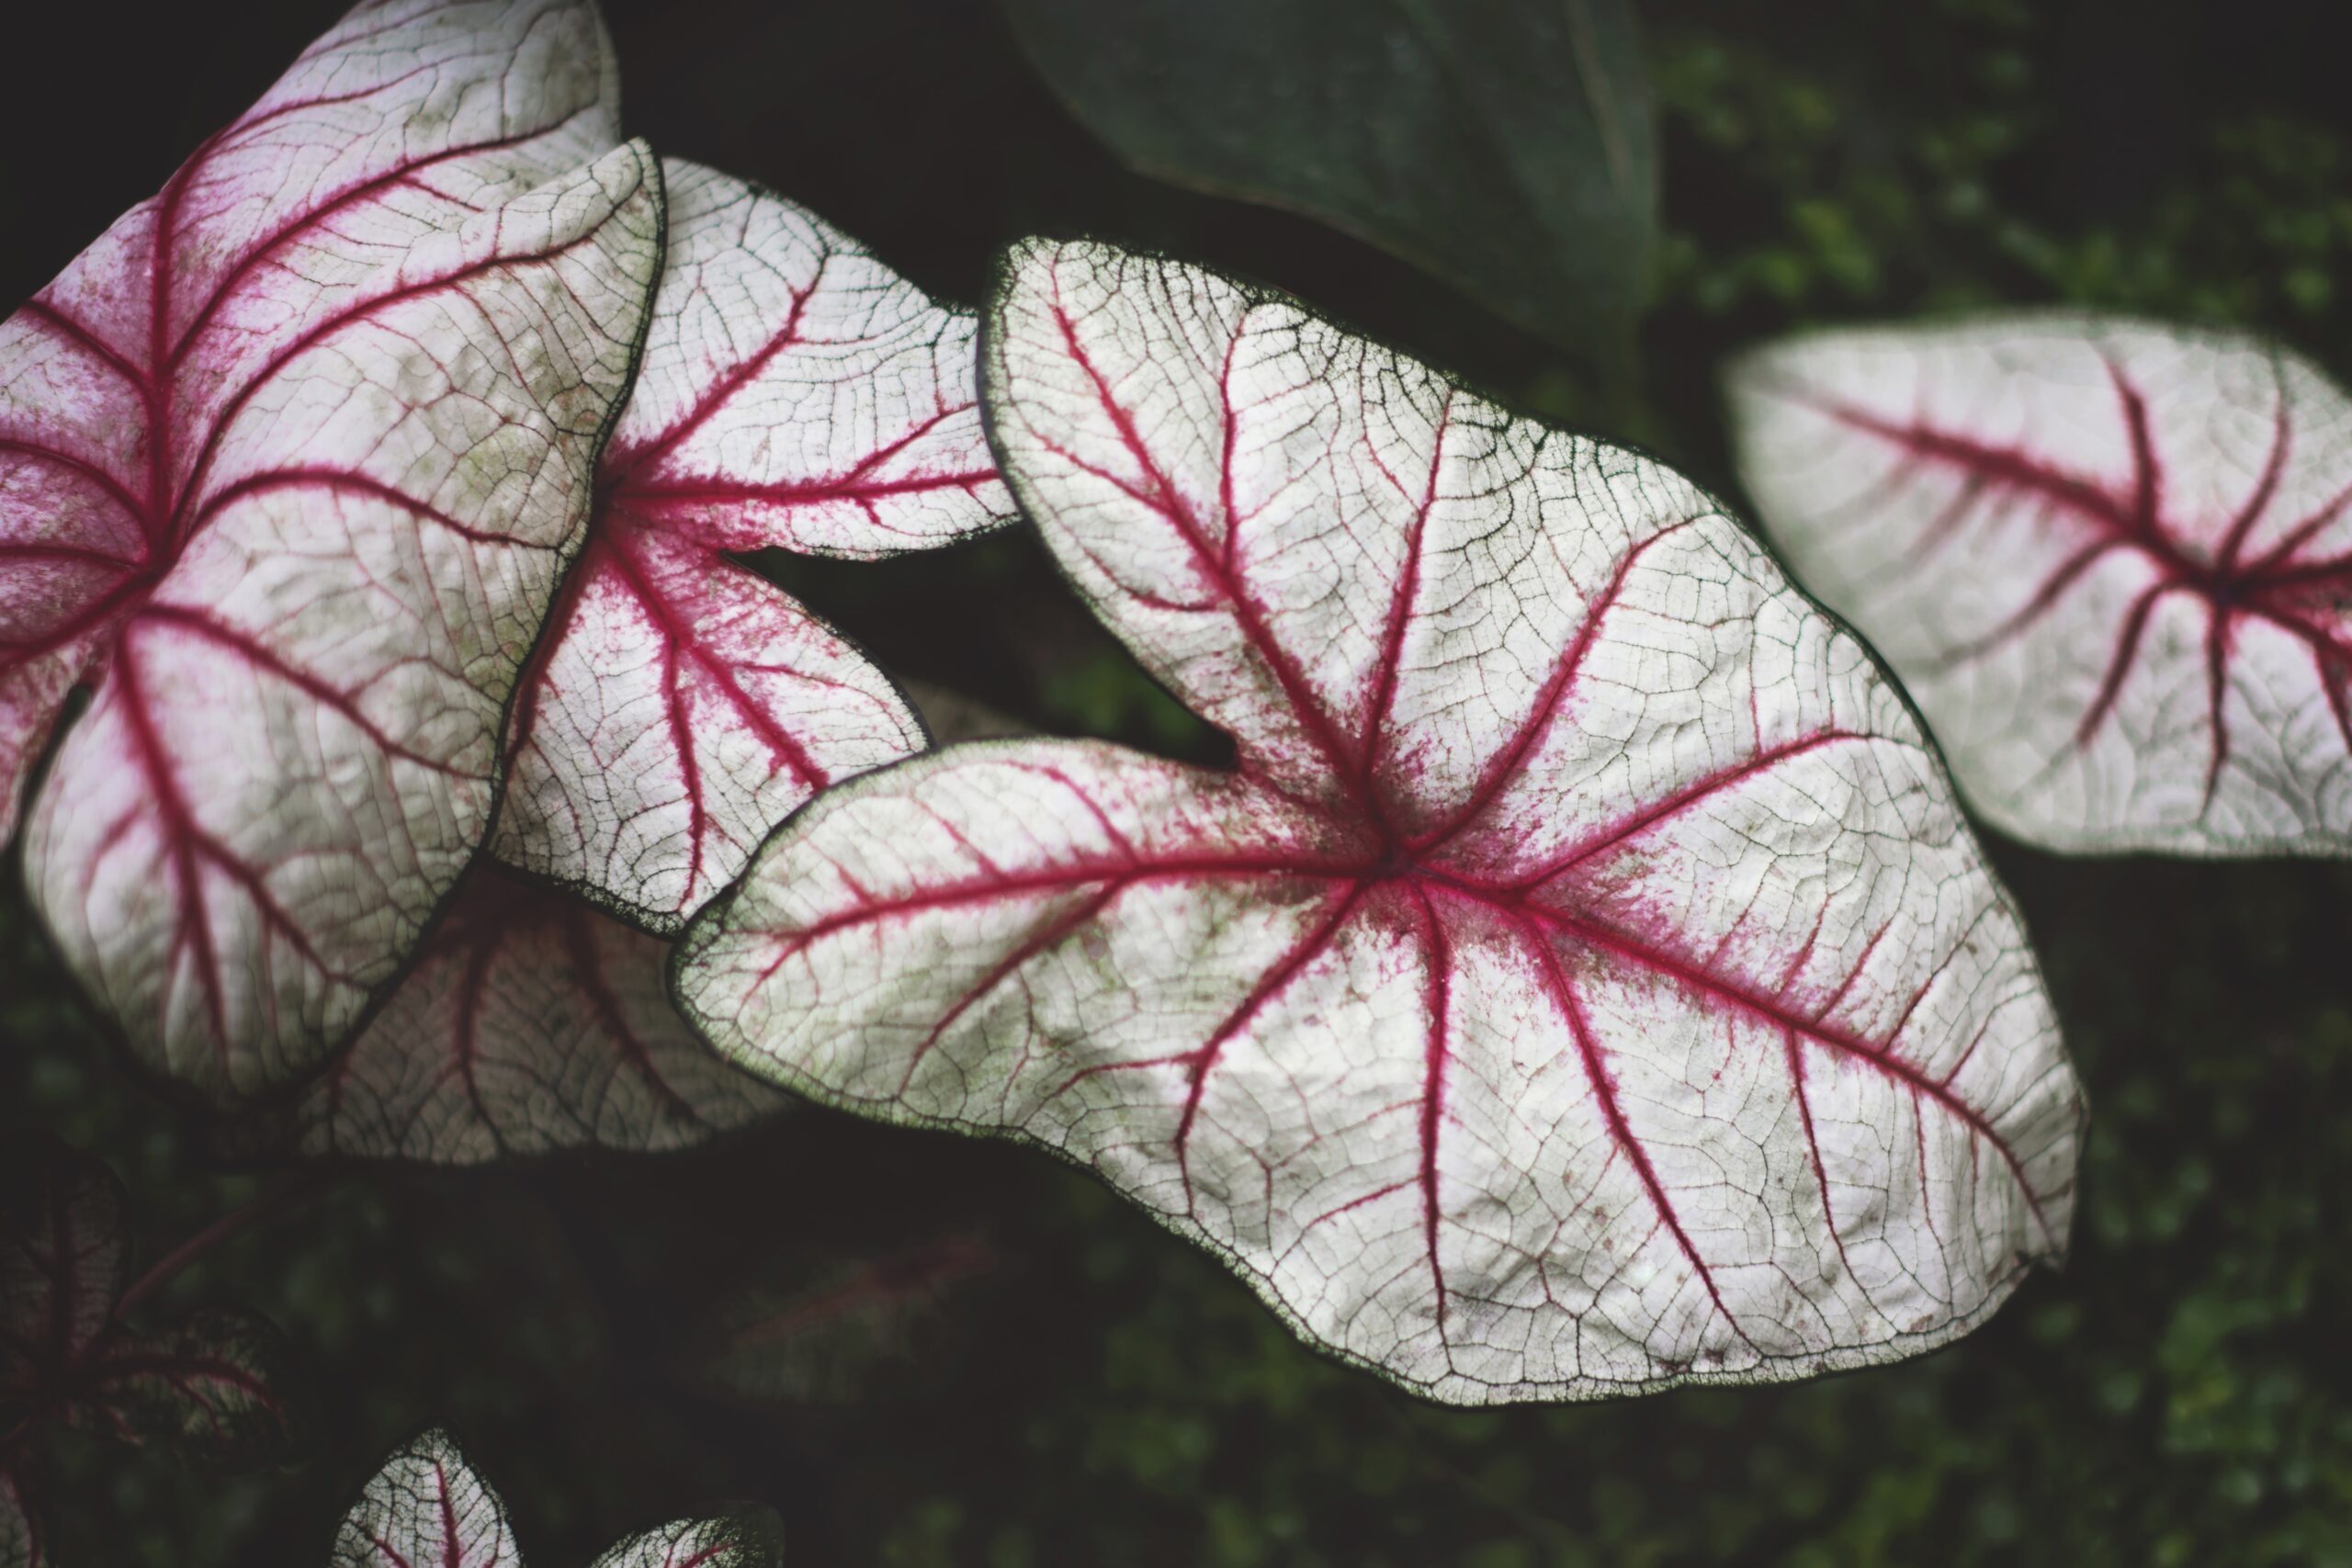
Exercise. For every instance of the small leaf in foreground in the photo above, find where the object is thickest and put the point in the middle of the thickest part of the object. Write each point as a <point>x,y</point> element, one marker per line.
<point>531,1022</point>
<point>2111,560</point>
<point>743,1538</point>
<point>426,1508</point>
<point>1584,982</point>
<point>794,394</point>
<point>1508,146</point>
<point>291,462</point>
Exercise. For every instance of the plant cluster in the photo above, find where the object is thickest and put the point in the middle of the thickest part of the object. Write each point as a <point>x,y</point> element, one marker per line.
<point>1583,981</point>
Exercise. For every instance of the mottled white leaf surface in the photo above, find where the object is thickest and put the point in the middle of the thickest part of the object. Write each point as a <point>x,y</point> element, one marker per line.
<point>749,1537</point>
<point>798,395</point>
<point>1585,983</point>
<point>291,462</point>
<point>426,1508</point>
<point>530,1023</point>
<point>2110,560</point>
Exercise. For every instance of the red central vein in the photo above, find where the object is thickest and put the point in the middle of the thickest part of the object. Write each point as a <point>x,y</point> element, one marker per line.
<point>1400,603</point>
<point>621,466</point>
<point>1049,935</point>
<point>157,381</point>
<point>1795,1051</point>
<point>1680,800</point>
<point>2258,502</point>
<point>1057,879</point>
<point>2229,588</point>
<point>1602,1078</point>
<point>1433,1062</point>
<point>1270,984</point>
<point>251,649</point>
<point>195,924</point>
<point>1513,754</point>
<point>1775,1014</point>
<point>449,1547</point>
<point>200,470</point>
<point>267,245</point>
<point>640,497</point>
<point>1164,499</point>
<point>343,481</point>
<point>681,633</point>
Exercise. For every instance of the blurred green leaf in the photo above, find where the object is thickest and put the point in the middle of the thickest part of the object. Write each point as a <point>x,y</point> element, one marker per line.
<point>1506,146</point>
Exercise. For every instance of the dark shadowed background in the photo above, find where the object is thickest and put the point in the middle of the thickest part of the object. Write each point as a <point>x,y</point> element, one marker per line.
<point>1107,1396</point>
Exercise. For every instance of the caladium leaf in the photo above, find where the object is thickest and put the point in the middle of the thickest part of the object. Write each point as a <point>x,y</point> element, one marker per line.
<point>794,394</point>
<point>743,1538</point>
<point>836,1334</point>
<point>2111,560</point>
<point>291,464</point>
<point>531,1022</point>
<point>214,1387</point>
<point>1584,983</point>
<point>1508,146</point>
<point>426,1508</point>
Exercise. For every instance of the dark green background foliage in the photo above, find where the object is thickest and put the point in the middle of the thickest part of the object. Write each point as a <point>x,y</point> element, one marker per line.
<point>2177,1396</point>
<point>1505,145</point>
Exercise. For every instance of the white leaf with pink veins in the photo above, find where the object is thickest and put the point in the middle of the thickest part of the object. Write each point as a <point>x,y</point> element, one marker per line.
<point>291,462</point>
<point>426,1508</point>
<point>796,395</point>
<point>528,1022</point>
<point>1584,981</point>
<point>2111,560</point>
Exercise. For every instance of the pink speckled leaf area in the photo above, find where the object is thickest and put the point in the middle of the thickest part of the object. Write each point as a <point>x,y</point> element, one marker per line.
<point>2112,560</point>
<point>795,394</point>
<point>1584,982</point>
<point>292,461</point>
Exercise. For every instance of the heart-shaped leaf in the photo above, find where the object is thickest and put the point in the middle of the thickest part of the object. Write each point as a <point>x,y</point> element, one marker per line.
<point>291,461</point>
<point>2111,560</point>
<point>795,394</point>
<point>531,1022</point>
<point>743,1538</point>
<point>1585,983</point>
<point>426,1508</point>
<point>1506,146</point>
<point>214,1387</point>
